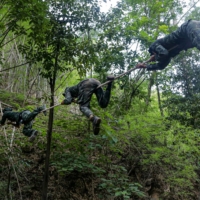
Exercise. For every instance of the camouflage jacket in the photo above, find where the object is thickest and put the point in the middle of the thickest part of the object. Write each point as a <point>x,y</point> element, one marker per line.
<point>174,42</point>
<point>82,91</point>
<point>10,115</point>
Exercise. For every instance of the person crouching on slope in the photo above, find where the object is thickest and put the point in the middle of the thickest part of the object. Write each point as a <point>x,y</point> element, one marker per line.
<point>83,91</point>
<point>25,117</point>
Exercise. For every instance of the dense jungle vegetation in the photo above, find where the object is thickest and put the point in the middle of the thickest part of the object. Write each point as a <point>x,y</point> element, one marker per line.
<point>148,146</point>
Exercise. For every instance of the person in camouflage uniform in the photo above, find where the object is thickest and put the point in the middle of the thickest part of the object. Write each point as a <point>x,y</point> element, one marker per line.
<point>25,117</point>
<point>162,50</point>
<point>83,91</point>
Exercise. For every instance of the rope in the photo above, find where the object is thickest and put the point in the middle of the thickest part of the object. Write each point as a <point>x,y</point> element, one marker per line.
<point>116,77</point>
<point>127,72</point>
<point>132,69</point>
<point>119,76</point>
<point>51,107</point>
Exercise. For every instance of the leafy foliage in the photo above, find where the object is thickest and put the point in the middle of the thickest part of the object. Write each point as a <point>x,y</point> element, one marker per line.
<point>139,152</point>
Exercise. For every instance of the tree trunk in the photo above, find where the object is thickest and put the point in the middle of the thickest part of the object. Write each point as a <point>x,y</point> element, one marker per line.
<point>159,99</point>
<point>50,127</point>
<point>48,150</point>
<point>151,82</point>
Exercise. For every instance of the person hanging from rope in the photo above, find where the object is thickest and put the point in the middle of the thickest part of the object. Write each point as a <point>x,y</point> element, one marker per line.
<point>82,94</point>
<point>162,50</point>
<point>25,117</point>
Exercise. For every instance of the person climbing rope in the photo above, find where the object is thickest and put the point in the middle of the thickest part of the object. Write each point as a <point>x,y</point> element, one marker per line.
<point>83,91</point>
<point>25,117</point>
<point>162,50</point>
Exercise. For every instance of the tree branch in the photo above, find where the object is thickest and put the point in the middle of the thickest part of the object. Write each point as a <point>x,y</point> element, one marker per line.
<point>14,66</point>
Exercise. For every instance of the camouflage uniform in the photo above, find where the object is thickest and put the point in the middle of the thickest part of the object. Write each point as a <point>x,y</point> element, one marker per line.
<point>185,37</point>
<point>25,117</point>
<point>12,116</point>
<point>83,91</point>
<point>27,120</point>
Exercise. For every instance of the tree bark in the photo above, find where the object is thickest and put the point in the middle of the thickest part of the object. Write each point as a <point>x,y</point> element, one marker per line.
<point>50,127</point>
<point>48,150</point>
<point>151,82</point>
<point>159,99</point>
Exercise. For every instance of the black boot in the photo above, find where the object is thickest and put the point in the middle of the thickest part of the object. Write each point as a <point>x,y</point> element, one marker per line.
<point>33,135</point>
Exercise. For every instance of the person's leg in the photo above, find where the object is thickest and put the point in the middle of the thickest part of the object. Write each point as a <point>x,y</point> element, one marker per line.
<point>104,97</point>
<point>84,97</point>
<point>29,132</point>
<point>85,93</point>
<point>33,135</point>
<point>85,109</point>
<point>103,100</point>
<point>89,114</point>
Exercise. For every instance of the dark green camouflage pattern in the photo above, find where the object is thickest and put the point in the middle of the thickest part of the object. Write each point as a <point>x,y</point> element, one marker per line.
<point>83,91</point>
<point>25,117</point>
<point>185,37</point>
<point>27,120</point>
<point>10,115</point>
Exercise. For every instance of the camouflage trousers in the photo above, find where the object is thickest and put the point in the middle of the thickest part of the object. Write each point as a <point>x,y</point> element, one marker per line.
<point>103,99</point>
<point>26,117</point>
<point>27,120</point>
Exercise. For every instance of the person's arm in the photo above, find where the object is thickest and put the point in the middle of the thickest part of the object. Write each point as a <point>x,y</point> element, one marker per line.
<point>141,66</point>
<point>68,97</point>
<point>159,65</point>
<point>160,54</point>
<point>154,67</point>
<point>144,65</point>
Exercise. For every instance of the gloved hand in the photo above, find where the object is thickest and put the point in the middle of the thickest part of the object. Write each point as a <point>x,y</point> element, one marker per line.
<point>152,58</point>
<point>74,100</point>
<point>110,78</point>
<point>63,102</point>
<point>141,66</point>
<point>40,109</point>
